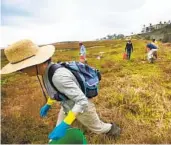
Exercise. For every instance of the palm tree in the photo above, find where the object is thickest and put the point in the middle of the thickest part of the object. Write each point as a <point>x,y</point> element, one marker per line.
<point>144,29</point>
<point>147,29</point>
<point>150,28</point>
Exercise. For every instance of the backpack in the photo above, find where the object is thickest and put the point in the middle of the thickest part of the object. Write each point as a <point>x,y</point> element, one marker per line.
<point>87,77</point>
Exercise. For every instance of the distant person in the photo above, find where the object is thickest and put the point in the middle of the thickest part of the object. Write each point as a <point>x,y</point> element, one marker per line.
<point>154,42</point>
<point>129,49</point>
<point>151,49</point>
<point>36,61</point>
<point>82,53</point>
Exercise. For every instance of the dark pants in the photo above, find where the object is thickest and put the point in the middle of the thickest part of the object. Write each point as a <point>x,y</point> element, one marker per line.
<point>128,54</point>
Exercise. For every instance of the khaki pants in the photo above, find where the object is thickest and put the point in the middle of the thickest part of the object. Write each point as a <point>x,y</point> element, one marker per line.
<point>150,54</point>
<point>90,119</point>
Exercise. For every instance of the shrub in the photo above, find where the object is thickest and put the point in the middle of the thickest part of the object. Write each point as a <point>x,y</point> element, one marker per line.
<point>165,38</point>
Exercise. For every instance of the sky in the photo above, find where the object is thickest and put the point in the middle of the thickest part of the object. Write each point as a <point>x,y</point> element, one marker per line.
<point>48,21</point>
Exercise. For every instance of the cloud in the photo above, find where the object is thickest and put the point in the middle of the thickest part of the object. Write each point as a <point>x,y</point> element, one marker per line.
<point>62,20</point>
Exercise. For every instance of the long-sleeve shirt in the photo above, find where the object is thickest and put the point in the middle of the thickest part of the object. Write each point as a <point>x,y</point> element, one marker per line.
<point>82,50</point>
<point>67,84</point>
<point>129,47</point>
<point>152,46</point>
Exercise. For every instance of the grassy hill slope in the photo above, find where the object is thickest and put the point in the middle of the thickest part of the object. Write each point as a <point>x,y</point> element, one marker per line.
<point>163,34</point>
<point>134,94</point>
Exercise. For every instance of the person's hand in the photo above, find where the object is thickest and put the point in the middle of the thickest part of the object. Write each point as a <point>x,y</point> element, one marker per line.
<point>59,131</point>
<point>146,50</point>
<point>44,110</point>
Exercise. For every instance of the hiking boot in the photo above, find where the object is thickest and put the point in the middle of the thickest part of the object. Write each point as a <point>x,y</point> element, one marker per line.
<point>114,131</point>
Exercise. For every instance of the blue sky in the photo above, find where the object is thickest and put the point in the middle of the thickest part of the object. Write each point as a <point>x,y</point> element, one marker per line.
<point>46,21</point>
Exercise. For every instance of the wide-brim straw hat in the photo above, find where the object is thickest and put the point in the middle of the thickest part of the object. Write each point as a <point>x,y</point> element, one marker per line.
<point>25,53</point>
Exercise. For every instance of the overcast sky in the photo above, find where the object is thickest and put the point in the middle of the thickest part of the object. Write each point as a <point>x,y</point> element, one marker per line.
<point>47,21</point>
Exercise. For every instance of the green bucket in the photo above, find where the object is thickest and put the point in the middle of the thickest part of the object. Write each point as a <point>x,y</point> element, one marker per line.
<point>72,136</point>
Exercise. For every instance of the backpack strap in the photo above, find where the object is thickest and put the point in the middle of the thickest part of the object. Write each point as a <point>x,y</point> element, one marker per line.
<point>51,72</point>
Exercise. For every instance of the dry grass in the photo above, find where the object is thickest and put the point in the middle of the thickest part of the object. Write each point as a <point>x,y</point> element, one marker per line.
<point>134,94</point>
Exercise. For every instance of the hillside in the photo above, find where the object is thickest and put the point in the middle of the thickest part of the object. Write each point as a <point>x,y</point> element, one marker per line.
<point>163,34</point>
<point>134,94</point>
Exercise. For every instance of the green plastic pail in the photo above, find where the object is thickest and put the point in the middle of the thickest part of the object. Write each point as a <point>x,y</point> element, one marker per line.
<point>72,136</point>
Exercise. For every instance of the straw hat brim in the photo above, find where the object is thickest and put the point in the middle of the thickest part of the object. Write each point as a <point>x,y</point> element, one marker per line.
<point>43,54</point>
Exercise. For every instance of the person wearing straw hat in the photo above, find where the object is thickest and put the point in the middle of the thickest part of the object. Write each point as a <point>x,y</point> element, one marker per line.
<point>27,57</point>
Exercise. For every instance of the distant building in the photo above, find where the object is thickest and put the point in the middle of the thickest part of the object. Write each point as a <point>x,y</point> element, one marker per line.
<point>159,26</point>
<point>154,27</point>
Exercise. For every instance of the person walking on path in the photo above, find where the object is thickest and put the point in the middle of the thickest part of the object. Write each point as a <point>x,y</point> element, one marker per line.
<point>26,57</point>
<point>82,53</point>
<point>129,49</point>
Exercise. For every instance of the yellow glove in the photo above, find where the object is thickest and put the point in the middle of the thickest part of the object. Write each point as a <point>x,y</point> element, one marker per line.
<point>70,118</point>
<point>50,101</point>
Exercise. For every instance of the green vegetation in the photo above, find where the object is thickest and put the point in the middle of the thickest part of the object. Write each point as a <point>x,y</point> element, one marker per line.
<point>134,94</point>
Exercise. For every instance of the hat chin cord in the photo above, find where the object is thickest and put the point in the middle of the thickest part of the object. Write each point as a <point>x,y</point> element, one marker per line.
<point>40,83</point>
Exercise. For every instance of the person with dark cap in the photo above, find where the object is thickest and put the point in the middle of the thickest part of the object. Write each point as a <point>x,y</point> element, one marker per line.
<point>129,49</point>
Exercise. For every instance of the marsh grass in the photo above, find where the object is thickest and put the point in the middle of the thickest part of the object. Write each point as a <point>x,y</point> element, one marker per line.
<point>134,94</point>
